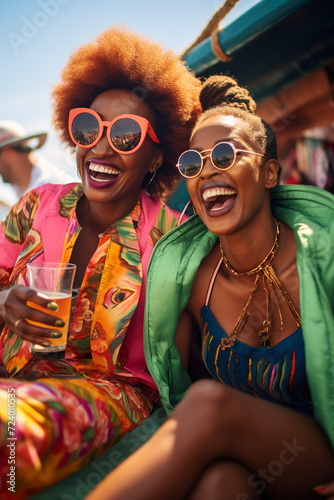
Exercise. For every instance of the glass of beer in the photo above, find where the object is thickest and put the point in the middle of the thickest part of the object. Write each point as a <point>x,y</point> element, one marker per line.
<point>53,280</point>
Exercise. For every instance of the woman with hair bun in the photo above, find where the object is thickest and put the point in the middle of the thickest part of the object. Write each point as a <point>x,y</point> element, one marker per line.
<point>127,107</point>
<point>253,273</point>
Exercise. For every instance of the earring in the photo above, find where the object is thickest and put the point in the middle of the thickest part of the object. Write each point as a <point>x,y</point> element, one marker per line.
<point>149,182</point>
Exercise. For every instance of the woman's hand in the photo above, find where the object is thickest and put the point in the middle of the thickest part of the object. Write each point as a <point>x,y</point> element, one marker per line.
<point>326,490</point>
<point>15,312</point>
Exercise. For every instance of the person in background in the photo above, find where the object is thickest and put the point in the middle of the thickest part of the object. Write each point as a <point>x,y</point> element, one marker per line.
<point>19,166</point>
<point>127,107</point>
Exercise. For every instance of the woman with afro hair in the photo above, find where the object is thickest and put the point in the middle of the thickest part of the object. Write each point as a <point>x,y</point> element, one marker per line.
<point>127,106</point>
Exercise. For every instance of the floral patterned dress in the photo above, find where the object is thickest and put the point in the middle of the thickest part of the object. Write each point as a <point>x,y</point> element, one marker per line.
<point>56,416</point>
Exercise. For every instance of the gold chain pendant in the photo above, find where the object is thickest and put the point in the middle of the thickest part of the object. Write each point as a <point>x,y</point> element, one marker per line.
<point>264,339</point>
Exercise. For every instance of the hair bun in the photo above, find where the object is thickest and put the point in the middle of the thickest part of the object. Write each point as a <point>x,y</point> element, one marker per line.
<point>219,90</point>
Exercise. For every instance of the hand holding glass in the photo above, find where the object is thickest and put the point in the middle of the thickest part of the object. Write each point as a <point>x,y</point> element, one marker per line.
<point>53,280</point>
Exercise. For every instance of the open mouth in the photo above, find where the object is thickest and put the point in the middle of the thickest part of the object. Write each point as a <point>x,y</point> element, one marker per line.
<point>218,198</point>
<point>101,173</point>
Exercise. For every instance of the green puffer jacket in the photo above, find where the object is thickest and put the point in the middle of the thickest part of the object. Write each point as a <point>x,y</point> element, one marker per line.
<point>174,262</point>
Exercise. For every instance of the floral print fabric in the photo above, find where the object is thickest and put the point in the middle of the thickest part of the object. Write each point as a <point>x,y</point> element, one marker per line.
<point>62,425</point>
<point>70,411</point>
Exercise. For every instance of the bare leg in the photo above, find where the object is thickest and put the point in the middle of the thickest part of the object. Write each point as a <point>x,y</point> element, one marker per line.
<point>285,451</point>
<point>224,480</point>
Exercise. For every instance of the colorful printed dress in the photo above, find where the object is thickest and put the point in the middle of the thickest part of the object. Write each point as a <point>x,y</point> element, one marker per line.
<point>58,415</point>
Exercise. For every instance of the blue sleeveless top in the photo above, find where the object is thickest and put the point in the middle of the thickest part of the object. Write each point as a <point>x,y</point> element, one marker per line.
<point>276,374</point>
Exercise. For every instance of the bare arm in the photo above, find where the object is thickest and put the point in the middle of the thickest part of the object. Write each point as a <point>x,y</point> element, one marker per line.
<point>183,337</point>
<point>188,342</point>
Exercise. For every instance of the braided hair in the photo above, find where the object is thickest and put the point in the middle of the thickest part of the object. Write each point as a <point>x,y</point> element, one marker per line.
<point>221,95</point>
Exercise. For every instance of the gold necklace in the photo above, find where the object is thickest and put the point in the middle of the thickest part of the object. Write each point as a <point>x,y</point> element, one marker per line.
<point>269,279</point>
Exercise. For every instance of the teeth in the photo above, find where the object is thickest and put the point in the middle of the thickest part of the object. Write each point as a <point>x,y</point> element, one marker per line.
<point>104,170</point>
<point>100,180</point>
<point>218,191</point>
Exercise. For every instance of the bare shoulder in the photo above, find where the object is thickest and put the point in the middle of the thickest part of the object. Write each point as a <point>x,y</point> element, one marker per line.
<point>287,254</point>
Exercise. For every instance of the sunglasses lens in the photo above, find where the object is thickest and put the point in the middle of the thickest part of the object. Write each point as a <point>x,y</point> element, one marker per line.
<point>222,155</point>
<point>125,134</point>
<point>190,163</point>
<point>85,129</point>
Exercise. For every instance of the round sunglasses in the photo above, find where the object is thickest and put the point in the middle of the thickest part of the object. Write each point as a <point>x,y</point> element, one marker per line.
<point>223,156</point>
<point>125,133</point>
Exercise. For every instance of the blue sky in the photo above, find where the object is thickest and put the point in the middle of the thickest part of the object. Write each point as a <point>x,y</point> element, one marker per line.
<point>38,36</point>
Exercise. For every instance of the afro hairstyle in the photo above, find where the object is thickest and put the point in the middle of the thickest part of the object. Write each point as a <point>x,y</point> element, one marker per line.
<point>119,58</point>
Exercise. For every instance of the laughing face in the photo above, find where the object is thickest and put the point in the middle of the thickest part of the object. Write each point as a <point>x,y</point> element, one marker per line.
<point>226,200</point>
<point>111,177</point>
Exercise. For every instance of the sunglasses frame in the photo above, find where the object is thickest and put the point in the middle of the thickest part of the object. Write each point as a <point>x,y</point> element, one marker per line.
<point>144,124</point>
<point>203,157</point>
